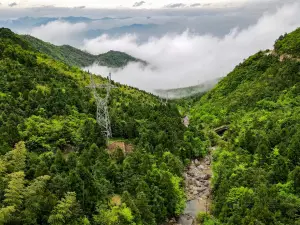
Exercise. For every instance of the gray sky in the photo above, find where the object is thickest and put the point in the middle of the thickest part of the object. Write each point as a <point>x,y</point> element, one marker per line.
<point>123,3</point>
<point>187,45</point>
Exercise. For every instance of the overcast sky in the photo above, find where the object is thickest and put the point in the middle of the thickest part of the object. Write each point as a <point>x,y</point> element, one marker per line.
<point>123,3</point>
<point>189,44</point>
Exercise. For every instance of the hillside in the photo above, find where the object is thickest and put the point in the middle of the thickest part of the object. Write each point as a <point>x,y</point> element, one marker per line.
<point>116,59</point>
<point>289,44</point>
<point>54,165</point>
<point>178,93</point>
<point>257,162</point>
<point>75,57</point>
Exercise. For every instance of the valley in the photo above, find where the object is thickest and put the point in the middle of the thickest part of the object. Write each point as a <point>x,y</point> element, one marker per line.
<point>235,162</point>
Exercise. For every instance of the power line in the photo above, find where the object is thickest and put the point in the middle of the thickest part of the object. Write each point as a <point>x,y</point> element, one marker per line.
<point>102,115</point>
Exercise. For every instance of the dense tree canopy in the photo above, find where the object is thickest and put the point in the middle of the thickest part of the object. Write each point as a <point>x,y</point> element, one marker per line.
<point>256,165</point>
<point>54,165</point>
<point>75,57</point>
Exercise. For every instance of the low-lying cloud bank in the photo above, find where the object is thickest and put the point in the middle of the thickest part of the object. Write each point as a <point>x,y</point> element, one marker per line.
<point>188,59</point>
<point>58,32</point>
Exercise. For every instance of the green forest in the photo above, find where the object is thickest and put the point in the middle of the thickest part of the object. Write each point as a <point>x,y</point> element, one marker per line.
<point>55,167</point>
<point>257,161</point>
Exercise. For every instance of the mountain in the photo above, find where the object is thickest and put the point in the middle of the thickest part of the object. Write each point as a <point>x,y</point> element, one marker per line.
<point>142,31</point>
<point>30,22</point>
<point>75,57</point>
<point>178,93</point>
<point>119,31</point>
<point>117,59</point>
<point>55,166</point>
<point>256,164</point>
<point>26,22</point>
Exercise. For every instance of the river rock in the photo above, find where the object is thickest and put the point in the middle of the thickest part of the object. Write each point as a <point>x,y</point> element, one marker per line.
<point>207,161</point>
<point>204,176</point>
<point>206,184</point>
<point>185,176</point>
<point>197,183</point>
<point>185,220</point>
<point>201,167</point>
<point>201,189</point>
<point>194,172</point>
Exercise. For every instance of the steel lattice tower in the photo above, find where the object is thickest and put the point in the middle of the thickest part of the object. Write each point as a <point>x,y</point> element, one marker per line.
<point>164,100</point>
<point>102,115</point>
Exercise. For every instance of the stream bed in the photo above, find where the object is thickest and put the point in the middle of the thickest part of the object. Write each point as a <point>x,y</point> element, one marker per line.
<point>198,190</point>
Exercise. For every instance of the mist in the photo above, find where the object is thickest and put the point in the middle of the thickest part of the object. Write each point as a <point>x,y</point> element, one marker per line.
<point>58,32</point>
<point>188,59</point>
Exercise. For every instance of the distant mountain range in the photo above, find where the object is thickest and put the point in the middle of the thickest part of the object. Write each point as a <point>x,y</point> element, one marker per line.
<point>114,27</point>
<point>176,93</point>
<point>27,22</point>
<point>117,31</point>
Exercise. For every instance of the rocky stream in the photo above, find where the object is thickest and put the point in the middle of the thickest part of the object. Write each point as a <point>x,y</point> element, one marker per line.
<point>198,190</point>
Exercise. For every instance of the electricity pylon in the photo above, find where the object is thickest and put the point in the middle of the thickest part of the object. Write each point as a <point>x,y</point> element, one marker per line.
<point>102,115</point>
<point>165,100</point>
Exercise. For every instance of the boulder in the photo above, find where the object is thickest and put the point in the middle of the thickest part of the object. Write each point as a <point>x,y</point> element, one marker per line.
<point>201,167</point>
<point>206,183</point>
<point>201,189</point>
<point>186,220</point>
<point>197,183</point>
<point>204,176</point>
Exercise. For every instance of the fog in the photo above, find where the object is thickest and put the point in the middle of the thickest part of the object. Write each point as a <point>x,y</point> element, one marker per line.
<point>186,47</point>
<point>188,59</point>
<point>58,32</point>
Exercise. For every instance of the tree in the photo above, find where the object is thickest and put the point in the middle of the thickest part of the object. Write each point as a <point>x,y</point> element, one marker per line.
<point>115,215</point>
<point>14,193</point>
<point>37,200</point>
<point>294,177</point>
<point>16,158</point>
<point>67,211</point>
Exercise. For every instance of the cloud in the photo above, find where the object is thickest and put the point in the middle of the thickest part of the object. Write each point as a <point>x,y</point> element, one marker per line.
<point>137,4</point>
<point>12,4</point>
<point>187,59</point>
<point>79,7</point>
<point>58,32</point>
<point>175,5</point>
<point>195,5</point>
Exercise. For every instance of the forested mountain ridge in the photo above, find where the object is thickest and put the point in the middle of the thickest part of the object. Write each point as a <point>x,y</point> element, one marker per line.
<point>54,166</point>
<point>75,57</point>
<point>289,44</point>
<point>257,163</point>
